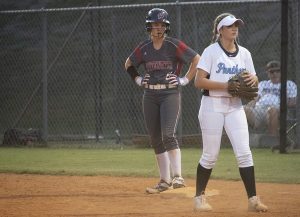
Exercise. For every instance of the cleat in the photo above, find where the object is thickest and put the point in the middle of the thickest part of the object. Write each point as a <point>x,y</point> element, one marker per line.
<point>255,205</point>
<point>201,205</point>
<point>160,187</point>
<point>178,182</point>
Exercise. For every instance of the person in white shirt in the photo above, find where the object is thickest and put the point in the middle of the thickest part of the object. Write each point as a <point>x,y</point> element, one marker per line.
<point>263,112</point>
<point>220,110</point>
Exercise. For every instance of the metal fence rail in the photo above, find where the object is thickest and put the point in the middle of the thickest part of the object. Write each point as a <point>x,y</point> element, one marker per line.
<point>62,70</point>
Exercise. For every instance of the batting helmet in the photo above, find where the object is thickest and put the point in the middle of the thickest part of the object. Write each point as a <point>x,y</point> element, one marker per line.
<point>157,15</point>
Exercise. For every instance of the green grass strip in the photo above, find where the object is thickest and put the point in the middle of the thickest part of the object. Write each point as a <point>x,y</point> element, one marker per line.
<point>269,167</point>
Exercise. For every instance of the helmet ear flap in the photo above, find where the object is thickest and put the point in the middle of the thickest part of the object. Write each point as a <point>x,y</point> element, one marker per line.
<point>168,29</point>
<point>148,27</point>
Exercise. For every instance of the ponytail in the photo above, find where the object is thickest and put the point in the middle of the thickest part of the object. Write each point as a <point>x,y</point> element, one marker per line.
<point>215,34</point>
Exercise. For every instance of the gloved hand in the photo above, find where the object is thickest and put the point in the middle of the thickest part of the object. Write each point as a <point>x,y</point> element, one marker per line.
<point>141,81</point>
<point>238,87</point>
<point>175,80</point>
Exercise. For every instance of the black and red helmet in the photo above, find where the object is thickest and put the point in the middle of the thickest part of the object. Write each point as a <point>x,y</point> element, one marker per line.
<point>157,15</point>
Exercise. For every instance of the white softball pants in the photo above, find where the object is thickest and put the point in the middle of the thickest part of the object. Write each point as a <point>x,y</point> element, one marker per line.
<point>216,113</point>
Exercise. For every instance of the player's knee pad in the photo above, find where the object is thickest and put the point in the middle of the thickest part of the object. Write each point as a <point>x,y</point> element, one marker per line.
<point>245,160</point>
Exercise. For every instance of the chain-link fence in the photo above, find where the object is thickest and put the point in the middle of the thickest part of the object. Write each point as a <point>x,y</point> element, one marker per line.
<point>62,70</point>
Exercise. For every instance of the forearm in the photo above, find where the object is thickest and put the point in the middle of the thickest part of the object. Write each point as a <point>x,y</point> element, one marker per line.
<point>131,70</point>
<point>193,68</point>
<point>134,74</point>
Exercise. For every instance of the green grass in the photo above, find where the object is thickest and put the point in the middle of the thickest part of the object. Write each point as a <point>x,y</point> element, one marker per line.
<point>269,167</point>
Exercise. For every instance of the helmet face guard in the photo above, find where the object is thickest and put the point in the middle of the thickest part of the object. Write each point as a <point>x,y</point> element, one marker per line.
<point>157,15</point>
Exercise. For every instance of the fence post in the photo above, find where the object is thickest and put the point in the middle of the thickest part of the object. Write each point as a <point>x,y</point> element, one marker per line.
<point>297,75</point>
<point>97,80</point>
<point>45,77</point>
<point>284,60</point>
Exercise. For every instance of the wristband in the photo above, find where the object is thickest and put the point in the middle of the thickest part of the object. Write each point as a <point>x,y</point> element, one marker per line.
<point>132,72</point>
<point>138,80</point>
<point>183,81</point>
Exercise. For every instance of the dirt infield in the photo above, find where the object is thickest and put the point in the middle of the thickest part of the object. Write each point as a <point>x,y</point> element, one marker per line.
<point>41,195</point>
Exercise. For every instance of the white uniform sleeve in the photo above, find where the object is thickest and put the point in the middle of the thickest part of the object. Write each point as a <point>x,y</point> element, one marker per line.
<point>205,61</point>
<point>249,63</point>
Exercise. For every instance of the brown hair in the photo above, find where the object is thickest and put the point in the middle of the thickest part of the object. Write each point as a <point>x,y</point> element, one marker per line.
<point>273,65</point>
<point>215,33</point>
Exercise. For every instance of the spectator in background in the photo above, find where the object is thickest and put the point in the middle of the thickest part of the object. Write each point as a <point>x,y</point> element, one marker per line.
<point>263,112</point>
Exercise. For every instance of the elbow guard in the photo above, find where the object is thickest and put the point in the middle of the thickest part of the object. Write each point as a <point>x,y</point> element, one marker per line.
<point>132,72</point>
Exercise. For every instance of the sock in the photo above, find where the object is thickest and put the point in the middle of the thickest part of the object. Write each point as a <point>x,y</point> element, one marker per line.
<point>203,175</point>
<point>247,175</point>
<point>175,161</point>
<point>163,163</point>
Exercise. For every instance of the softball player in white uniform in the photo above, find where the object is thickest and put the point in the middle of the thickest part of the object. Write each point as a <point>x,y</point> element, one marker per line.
<point>220,61</point>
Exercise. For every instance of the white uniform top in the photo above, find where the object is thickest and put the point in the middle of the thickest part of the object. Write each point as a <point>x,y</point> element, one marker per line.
<point>270,93</point>
<point>221,67</point>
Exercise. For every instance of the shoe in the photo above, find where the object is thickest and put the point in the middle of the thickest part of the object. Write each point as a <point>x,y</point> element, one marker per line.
<point>201,205</point>
<point>161,186</point>
<point>255,205</point>
<point>178,182</point>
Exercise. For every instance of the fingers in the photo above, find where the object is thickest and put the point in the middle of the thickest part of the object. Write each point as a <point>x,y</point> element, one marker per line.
<point>249,82</point>
<point>146,79</point>
<point>247,77</point>
<point>172,79</point>
<point>250,79</point>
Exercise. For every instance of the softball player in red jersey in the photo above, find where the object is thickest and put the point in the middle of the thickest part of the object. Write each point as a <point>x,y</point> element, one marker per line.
<point>162,58</point>
<point>220,61</point>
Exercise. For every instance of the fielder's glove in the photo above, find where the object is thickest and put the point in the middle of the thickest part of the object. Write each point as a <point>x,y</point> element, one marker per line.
<point>239,88</point>
<point>141,81</point>
<point>175,80</point>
